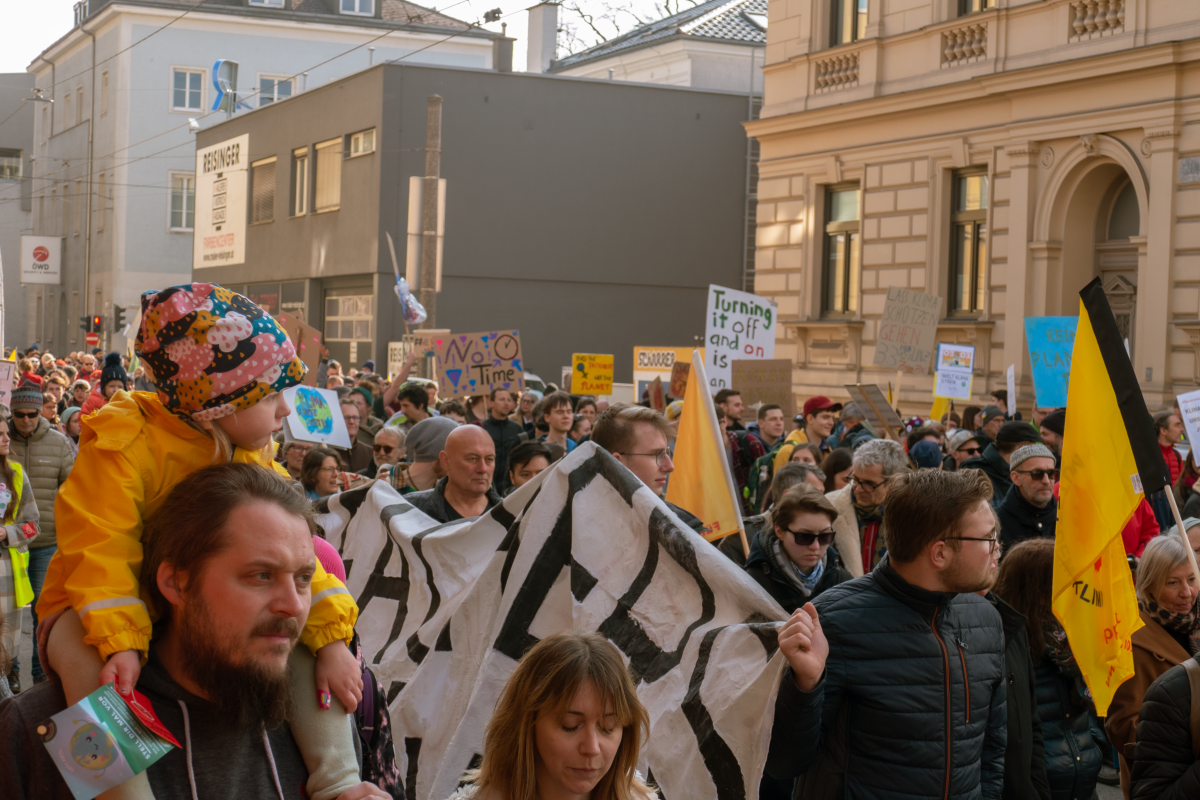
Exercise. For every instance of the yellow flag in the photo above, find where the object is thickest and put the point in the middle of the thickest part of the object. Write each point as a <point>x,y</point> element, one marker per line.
<point>1110,460</point>
<point>941,406</point>
<point>702,482</point>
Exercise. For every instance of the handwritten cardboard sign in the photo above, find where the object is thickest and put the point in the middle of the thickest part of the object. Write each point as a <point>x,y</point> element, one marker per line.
<point>1189,407</point>
<point>8,371</point>
<point>955,365</point>
<point>907,329</point>
<point>475,363</point>
<point>424,342</point>
<point>679,379</point>
<point>880,416</point>
<point>591,374</point>
<point>739,325</point>
<point>766,381</point>
<point>316,417</point>
<point>1051,341</point>
<point>307,341</point>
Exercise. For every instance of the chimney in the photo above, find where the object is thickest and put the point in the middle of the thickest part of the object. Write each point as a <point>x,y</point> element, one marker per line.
<point>543,36</point>
<point>502,54</point>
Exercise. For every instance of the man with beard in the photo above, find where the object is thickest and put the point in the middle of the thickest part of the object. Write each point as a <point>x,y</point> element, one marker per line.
<point>912,701</point>
<point>227,562</point>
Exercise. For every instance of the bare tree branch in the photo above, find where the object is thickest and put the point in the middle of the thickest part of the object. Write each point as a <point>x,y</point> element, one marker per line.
<point>587,23</point>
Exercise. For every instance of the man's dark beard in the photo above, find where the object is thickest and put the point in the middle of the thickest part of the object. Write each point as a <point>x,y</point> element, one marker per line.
<point>244,693</point>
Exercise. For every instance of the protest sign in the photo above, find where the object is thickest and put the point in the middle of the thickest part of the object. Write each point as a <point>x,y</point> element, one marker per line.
<point>653,362</point>
<point>1189,407</point>
<point>591,374</point>
<point>880,416</point>
<point>447,611</point>
<point>955,364</point>
<point>307,341</point>
<point>1011,377</point>
<point>316,417</point>
<point>476,363</point>
<point>679,379</point>
<point>8,371</point>
<point>738,325</point>
<point>766,381</point>
<point>1051,341</point>
<point>104,740</point>
<point>907,330</point>
<point>424,342</point>
<point>658,395</point>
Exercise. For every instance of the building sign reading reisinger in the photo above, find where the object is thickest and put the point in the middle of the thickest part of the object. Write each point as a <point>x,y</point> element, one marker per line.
<point>222,178</point>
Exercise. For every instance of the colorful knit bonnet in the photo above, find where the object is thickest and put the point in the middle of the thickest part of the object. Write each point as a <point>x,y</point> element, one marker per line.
<point>213,352</point>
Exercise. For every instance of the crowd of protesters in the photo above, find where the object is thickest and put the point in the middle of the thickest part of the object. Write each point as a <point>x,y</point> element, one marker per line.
<point>916,567</point>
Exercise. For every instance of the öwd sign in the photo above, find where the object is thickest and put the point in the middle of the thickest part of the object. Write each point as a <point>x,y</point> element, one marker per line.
<point>41,259</point>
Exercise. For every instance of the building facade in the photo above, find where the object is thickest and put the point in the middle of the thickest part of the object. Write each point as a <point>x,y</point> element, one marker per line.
<point>563,219</point>
<point>998,153</point>
<point>114,156</point>
<point>16,205</point>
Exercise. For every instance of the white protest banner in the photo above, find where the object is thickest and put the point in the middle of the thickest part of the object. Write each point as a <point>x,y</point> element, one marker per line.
<point>8,371</point>
<point>222,181</point>
<point>955,363</point>
<point>907,330</point>
<point>1011,375</point>
<point>739,325</point>
<point>446,611</point>
<point>1189,407</point>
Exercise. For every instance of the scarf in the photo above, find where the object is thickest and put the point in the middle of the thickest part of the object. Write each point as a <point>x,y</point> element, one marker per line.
<point>874,546</point>
<point>1181,626</point>
<point>807,584</point>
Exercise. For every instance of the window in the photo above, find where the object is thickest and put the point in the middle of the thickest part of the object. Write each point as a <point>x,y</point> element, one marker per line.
<point>362,143</point>
<point>45,124</point>
<point>102,203</point>
<point>849,21</point>
<point>67,111</point>
<point>348,319</point>
<point>272,89</point>
<point>79,102</point>
<point>262,190</point>
<point>968,244</point>
<point>840,278</point>
<point>1126,219</point>
<point>53,227</point>
<point>103,94</point>
<point>79,201</point>
<point>74,316</point>
<point>974,6</point>
<point>183,202</point>
<point>329,176</point>
<point>187,90</point>
<point>270,3</point>
<point>66,207</point>
<point>10,164</point>
<point>365,8</point>
<point>300,182</point>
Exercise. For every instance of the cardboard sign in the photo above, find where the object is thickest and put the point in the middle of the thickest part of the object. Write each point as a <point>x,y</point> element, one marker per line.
<point>316,417</point>
<point>654,362</point>
<point>425,342</point>
<point>1051,341</point>
<point>739,325</point>
<point>1011,377</point>
<point>880,416</point>
<point>767,381</point>
<point>1189,407</point>
<point>591,374</point>
<point>658,395</point>
<point>907,330</point>
<point>679,379</point>
<point>8,371</point>
<point>307,341</point>
<point>475,363</point>
<point>955,364</point>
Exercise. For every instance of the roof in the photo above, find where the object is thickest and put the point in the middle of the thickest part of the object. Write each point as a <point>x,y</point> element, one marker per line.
<point>733,21</point>
<point>396,12</point>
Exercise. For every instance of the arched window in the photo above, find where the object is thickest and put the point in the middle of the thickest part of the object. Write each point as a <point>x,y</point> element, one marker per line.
<point>1125,219</point>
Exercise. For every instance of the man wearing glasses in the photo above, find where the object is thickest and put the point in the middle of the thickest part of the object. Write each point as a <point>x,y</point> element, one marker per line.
<point>861,532</point>
<point>911,701</point>
<point>1029,510</point>
<point>993,461</point>
<point>963,446</point>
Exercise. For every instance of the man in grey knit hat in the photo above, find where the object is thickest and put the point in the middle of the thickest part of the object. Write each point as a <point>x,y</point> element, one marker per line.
<point>1029,510</point>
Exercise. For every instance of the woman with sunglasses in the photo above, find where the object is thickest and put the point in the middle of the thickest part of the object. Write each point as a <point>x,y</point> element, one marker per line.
<point>793,559</point>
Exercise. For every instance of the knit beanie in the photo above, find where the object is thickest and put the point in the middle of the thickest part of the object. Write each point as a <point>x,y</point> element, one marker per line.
<point>213,352</point>
<point>27,396</point>
<point>113,371</point>
<point>927,454</point>
<point>1023,454</point>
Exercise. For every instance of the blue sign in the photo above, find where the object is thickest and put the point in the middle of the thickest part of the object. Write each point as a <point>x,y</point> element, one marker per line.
<point>1051,341</point>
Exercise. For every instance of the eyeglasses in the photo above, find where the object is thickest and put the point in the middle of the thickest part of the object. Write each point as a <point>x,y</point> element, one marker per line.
<point>806,538</point>
<point>26,414</point>
<point>386,448</point>
<point>868,485</point>
<point>1038,474</point>
<point>661,457</point>
<point>351,418</point>
<point>993,540</point>
<point>971,451</point>
<point>328,470</point>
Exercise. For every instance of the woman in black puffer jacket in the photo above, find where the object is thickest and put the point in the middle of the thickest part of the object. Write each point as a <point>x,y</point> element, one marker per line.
<point>1165,766</point>
<point>1073,759</point>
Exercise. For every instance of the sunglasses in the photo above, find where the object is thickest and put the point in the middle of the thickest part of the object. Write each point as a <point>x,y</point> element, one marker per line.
<point>1039,474</point>
<point>386,448</point>
<point>971,451</point>
<point>26,414</point>
<point>806,538</point>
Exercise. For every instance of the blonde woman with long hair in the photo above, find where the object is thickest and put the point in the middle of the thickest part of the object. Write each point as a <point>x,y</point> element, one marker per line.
<point>568,725</point>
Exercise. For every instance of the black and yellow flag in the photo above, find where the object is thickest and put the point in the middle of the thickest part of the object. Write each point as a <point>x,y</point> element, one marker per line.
<point>1110,461</point>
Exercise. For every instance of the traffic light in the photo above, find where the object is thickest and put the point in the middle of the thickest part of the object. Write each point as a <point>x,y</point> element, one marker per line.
<point>86,324</point>
<point>118,318</point>
<point>97,324</point>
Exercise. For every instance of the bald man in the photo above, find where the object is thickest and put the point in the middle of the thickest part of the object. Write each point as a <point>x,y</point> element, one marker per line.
<point>468,462</point>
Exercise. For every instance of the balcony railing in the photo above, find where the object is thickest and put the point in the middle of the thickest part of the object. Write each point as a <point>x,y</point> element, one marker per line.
<point>964,45</point>
<point>838,72</point>
<point>1091,19</point>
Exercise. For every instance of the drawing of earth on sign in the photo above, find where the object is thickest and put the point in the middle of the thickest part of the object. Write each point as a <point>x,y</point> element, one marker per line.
<point>313,411</point>
<point>92,747</point>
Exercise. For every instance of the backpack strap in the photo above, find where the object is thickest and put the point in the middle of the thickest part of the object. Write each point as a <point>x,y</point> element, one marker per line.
<point>1193,673</point>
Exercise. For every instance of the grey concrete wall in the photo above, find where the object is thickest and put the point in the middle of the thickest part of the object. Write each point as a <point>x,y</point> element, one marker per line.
<point>16,217</point>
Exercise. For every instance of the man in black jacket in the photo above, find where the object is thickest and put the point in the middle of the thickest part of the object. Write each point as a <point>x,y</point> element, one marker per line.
<point>994,460</point>
<point>1029,510</point>
<point>468,461</point>
<point>504,432</point>
<point>911,702</point>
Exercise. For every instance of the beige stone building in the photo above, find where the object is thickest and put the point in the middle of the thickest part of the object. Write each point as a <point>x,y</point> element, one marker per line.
<point>998,153</point>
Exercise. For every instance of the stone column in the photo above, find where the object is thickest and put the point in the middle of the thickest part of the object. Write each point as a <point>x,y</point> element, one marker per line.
<point>1022,202</point>
<point>1153,319</point>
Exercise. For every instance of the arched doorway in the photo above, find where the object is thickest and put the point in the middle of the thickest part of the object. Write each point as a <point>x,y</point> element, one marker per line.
<point>1116,255</point>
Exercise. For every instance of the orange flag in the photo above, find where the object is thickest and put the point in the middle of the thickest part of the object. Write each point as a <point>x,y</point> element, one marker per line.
<point>702,482</point>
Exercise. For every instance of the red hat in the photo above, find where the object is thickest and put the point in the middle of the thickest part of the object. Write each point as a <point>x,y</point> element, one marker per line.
<point>820,403</point>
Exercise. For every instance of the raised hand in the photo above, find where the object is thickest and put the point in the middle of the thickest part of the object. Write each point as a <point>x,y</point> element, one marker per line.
<point>804,646</point>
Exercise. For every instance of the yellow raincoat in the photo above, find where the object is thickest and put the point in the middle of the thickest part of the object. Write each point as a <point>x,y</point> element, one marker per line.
<point>131,454</point>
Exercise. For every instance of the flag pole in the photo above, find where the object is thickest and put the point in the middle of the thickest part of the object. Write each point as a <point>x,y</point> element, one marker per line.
<point>1187,545</point>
